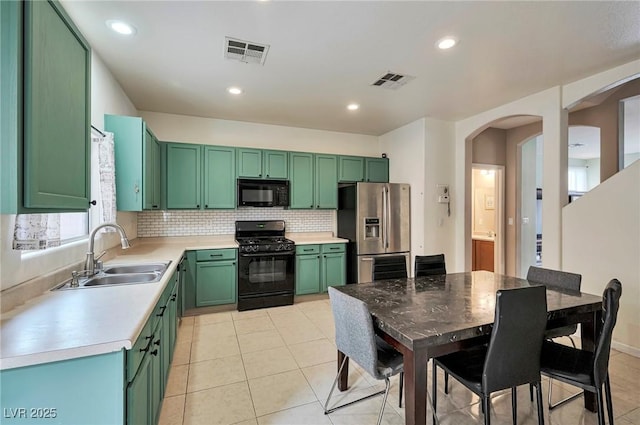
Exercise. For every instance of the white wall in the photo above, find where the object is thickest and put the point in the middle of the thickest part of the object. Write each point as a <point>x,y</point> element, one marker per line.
<point>211,131</point>
<point>405,147</point>
<point>599,248</point>
<point>106,97</point>
<point>420,153</point>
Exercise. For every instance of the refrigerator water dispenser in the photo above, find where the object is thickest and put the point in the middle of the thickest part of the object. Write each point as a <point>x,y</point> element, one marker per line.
<point>371,228</point>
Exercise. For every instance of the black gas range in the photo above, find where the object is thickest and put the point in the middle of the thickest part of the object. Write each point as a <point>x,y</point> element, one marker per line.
<point>266,275</point>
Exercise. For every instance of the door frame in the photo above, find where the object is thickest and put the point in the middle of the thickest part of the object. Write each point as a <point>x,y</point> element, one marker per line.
<point>499,240</point>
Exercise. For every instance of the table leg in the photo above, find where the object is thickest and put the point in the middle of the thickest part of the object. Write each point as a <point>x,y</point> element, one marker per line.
<point>415,386</point>
<point>589,331</point>
<point>343,382</point>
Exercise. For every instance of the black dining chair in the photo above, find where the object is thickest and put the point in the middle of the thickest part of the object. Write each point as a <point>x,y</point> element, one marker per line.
<point>356,339</point>
<point>512,356</point>
<point>430,265</point>
<point>389,267</point>
<point>585,369</point>
<point>563,281</point>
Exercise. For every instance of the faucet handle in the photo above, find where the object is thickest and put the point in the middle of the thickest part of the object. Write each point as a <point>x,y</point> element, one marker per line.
<point>99,256</point>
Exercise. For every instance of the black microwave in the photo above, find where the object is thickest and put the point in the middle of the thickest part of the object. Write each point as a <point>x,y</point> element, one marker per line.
<point>263,193</point>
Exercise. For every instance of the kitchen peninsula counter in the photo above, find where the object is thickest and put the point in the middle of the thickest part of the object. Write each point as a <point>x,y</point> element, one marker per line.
<point>74,323</point>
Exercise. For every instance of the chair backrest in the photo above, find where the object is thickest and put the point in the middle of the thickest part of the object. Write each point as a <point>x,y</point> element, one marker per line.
<point>513,355</point>
<point>557,278</point>
<point>390,267</point>
<point>429,265</point>
<point>355,336</point>
<point>610,306</point>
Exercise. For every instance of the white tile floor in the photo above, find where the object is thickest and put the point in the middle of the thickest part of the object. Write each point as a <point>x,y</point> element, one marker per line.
<point>276,366</point>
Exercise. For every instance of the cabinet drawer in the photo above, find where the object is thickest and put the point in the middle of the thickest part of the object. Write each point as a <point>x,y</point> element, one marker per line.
<point>137,352</point>
<point>307,249</point>
<point>333,247</point>
<point>216,254</point>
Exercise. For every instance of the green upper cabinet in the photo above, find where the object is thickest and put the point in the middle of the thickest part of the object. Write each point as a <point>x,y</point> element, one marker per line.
<point>183,176</point>
<point>151,166</point>
<point>377,170</point>
<point>249,162</point>
<point>302,179</point>
<point>45,110</point>
<point>326,181</point>
<point>275,164</point>
<point>350,169</point>
<point>258,163</point>
<point>137,155</point>
<point>219,167</point>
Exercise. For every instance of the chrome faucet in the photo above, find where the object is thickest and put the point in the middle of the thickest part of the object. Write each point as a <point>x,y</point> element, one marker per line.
<point>90,262</point>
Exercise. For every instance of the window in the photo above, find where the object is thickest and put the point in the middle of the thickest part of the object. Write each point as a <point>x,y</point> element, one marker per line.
<point>73,226</point>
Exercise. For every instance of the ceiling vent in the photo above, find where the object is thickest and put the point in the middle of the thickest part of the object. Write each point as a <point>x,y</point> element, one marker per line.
<point>245,51</point>
<point>392,81</point>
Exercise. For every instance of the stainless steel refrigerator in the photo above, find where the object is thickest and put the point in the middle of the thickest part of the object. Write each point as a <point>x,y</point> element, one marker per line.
<point>375,217</point>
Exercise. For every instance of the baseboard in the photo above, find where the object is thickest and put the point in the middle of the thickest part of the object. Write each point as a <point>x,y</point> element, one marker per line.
<point>627,349</point>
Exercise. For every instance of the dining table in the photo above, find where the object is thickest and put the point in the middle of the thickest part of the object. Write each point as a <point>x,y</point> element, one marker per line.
<point>430,316</point>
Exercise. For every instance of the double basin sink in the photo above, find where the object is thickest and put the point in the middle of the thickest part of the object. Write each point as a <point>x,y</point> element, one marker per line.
<point>120,274</point>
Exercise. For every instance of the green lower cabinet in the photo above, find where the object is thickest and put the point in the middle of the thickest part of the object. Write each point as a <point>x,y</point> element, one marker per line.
<point>86,390</point>
<point>320,266</point>
<point>215,279</point>
<point>138,406</point>
<point>307,274</point>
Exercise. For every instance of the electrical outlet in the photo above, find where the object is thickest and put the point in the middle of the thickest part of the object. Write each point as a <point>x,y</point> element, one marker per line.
<point>443,193</point>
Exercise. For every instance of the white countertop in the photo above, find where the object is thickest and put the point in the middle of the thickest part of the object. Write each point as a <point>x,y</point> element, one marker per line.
<point>67,324</point>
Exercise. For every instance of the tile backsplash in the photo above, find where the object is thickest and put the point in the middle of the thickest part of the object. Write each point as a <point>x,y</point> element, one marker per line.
<point>217,222</point>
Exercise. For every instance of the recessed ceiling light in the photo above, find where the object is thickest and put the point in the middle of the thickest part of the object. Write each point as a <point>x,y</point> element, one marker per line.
<point>446,42</point>
<point>234,90</point>
<point>353,106</point>
<point>121,27</point>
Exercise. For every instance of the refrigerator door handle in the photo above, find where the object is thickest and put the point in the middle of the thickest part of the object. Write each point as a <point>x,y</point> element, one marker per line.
<point>384,219</point>
<point>387,218</point>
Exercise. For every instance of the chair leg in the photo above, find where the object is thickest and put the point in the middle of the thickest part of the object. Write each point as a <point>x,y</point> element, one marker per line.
<point>561,402</point>
<point>487,411</point>
<point>514,405</point>
<point>539,398</point>
<point>600,406</point>
<point>607,394</point>
<point>446,382</point>
<point>531,392</point>
<point>400,390</point>
<point>333,387</point>
<point>384,399</point>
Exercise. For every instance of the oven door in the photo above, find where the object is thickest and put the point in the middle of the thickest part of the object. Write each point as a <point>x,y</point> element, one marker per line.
<point>266,274</point>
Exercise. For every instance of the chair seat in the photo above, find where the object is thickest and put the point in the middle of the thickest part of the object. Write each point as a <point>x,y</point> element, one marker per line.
<point>558,332</point>
<point>567,363</point>
<point>466,366</point>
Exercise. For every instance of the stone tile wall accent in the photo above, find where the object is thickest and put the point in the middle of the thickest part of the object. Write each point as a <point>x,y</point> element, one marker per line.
<point>217,222</point>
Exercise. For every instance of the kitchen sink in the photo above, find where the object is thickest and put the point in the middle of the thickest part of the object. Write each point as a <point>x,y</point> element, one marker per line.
<point>122,279</point>
<point>136,268</point>
<point>119,274</point>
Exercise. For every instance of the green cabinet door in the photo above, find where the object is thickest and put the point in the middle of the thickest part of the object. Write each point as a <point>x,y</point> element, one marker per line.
<point>334,270</point>
<point>377,170</point>
<point>307,274</point>
<point>174,302</point>
<point>215,283</point>
<point>151,171</point>
<point>350,169</point>
<point>156,387</point>
<point>183,176</point>
<point>275,164</point>
<point>138,401</point>
<point>249,162</point>
<point>56,126</point>
<point>219,177</point>
<point>301,182</point>
<point>326,181</point>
